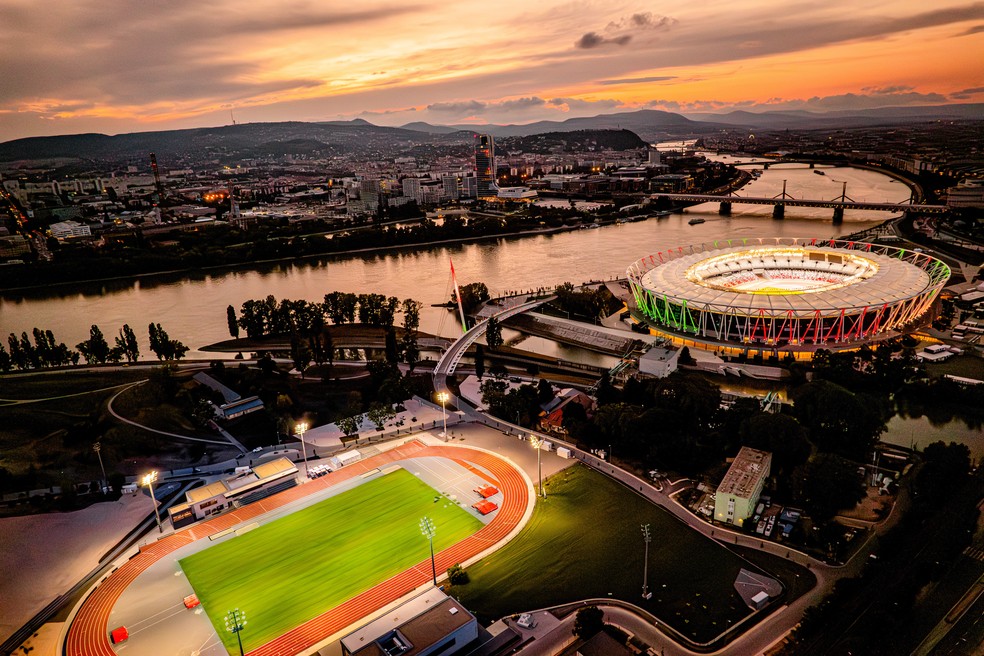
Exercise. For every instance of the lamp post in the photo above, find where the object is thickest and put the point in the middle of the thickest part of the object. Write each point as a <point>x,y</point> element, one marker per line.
<point>443,398</point>
<point>428,531</point>
<point>537,443</point>
<point>300,429</point>
<point>235,621</point>
<point>645,567</point>
<point>148,480</point>
<point>97,447</point>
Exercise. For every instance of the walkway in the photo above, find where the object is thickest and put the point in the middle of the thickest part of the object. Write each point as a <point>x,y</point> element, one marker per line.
<point>88,635</point>
<point>449,361</point>
<point>109,406</point>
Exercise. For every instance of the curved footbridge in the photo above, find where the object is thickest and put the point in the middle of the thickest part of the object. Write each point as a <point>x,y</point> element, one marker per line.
<point>449,361</point>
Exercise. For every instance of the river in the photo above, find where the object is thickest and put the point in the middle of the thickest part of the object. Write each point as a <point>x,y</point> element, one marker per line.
<point>191,308</point>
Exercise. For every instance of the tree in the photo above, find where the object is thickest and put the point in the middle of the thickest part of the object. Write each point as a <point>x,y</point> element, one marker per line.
<point>826,484</point>
<point>493,333</point>
<point>411,322</point>
<point>163,346</point>
<point>380,413</point>
<point>588,622</point>
<point>126,342</point>
<point>472,295</point>
<point>457,575</point>
<point>233,324</point>
<point>349,425</point>
<point>839,421</point>
<point>479,361</point>
<point>94,349</point>
<point>17,355</point>
<point>392,350</point>
<point>5,362</point>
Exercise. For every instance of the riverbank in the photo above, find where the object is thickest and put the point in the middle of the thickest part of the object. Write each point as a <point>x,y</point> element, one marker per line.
<point>251,266</point>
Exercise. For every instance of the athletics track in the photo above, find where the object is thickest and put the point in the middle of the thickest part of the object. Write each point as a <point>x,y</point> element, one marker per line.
<point>89,632</point>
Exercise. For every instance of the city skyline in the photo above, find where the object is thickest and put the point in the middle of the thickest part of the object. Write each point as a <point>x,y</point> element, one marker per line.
<point>113,68</point>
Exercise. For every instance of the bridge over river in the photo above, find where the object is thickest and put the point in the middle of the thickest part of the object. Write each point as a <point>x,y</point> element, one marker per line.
<point>779,204</point>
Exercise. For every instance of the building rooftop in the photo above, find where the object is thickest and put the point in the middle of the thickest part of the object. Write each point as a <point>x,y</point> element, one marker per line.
<point>750,466</point>
<point>422,622</point>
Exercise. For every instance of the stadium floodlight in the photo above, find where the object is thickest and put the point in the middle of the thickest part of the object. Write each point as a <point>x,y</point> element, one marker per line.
<point>443,398</point>
<point>428,531</point>
<point>235,622</point>
<point>148,480</point>
<point>300,429</point>
<point>537,443</point>
<point>645,567</point>
<point>97,447</point>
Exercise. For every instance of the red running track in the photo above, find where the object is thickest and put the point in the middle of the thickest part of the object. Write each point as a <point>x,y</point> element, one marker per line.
<point>89,632</point>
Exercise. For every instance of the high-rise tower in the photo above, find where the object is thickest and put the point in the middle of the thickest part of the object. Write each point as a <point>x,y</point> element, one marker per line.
<point>485,166</point>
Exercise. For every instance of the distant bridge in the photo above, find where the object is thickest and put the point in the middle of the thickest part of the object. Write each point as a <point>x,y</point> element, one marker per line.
<point>838,205</point>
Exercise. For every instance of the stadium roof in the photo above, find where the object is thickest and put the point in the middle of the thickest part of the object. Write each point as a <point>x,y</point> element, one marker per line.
<point>894,280</point>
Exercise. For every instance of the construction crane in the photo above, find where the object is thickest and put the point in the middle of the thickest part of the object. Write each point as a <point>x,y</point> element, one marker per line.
<point>157,176</point>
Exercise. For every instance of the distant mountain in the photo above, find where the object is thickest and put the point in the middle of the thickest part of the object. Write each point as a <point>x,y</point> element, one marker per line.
<point>230,141</point>
<point>420,126</point>
<point>650,124</point>
<point>804,120</point>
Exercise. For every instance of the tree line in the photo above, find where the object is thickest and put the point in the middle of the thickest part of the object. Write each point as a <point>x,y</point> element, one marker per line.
<point>45,351</point>
<point>306,323</point>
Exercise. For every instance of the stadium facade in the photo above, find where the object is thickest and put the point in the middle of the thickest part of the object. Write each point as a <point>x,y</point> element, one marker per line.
<point>785,295</point>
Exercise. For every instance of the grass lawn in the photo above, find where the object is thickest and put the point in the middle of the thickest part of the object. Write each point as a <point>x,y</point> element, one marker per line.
<point>297,567</point>
<point>585,541</point>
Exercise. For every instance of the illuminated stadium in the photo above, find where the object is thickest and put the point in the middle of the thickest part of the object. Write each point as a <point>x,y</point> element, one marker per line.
<point>785,294</point>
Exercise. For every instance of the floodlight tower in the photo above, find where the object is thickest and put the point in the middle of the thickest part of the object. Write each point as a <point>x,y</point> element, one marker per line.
<point>645,566</point>
<point>537,442</point>
<point>148,480</point>
<point>300,429</point>
<point>97,447</point>
<point>443,398</point>
<point>428,530</point>
<point>235,621</point>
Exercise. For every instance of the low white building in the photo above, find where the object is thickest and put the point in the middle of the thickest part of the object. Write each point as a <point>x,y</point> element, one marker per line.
<point>659,362</point>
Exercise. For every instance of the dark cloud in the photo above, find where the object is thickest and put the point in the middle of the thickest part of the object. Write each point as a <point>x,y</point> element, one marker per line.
<point>464,107</point>
<point>970,91</point>
<point>638,80</point>
<point>976,29</point>
<point>574,104</point>
<point>641,21</point>
<point>520,104</point>
<point>594,40</point>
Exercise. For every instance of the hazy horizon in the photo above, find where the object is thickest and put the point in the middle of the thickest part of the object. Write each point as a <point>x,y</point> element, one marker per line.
<point>114,67</point>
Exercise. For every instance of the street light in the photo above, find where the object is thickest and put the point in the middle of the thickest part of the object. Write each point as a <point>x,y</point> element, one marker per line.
<point>235,621</point>
<point>148,480</point>
<point>97,447</point>
<point>645,567</point>
<point>537,443</point>
<point>428,531</point>
<point>300,429</point>
<point>443,398</point>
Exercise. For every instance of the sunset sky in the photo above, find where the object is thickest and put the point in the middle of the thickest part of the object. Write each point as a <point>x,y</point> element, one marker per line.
<point>112,66</point>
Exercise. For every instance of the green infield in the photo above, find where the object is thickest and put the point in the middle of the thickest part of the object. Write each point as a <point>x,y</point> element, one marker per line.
<point>286,572</point>
<point>585,541</point>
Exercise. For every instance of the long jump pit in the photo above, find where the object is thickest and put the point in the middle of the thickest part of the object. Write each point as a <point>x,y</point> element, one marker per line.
<point>306,564</point>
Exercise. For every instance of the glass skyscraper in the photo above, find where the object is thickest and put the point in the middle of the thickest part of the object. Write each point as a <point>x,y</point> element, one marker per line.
<point>485,166</point>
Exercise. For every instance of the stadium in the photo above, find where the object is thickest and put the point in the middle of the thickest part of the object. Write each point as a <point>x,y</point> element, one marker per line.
<point>784,295</point>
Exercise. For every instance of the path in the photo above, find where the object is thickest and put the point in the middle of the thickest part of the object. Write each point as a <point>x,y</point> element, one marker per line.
<point>116,415</point>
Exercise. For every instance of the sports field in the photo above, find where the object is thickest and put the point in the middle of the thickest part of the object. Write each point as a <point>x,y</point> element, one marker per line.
<point>585,541</point>
<point>286,572</point>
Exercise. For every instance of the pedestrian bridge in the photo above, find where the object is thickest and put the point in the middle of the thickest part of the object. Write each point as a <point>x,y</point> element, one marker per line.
<point>449,361</point>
